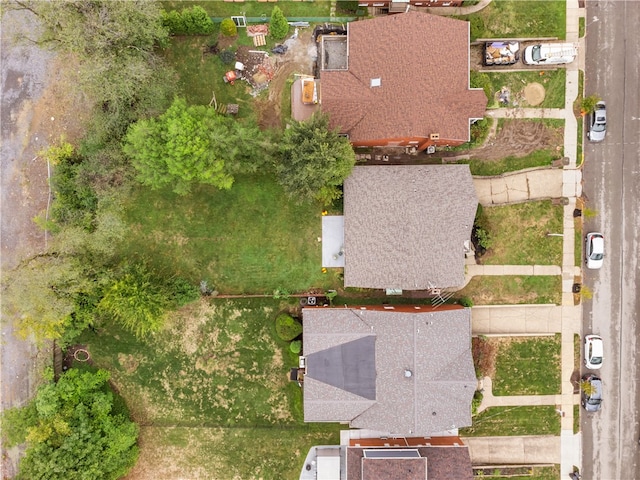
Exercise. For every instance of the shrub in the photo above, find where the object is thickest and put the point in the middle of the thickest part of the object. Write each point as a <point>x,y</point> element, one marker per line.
<point>475,403</point>
<point>228,28</point>
<point>287,327</point>
<point>482,80</point>
<point>182,291</point>
<point>227,56</point>
<point>196,21</point>
<point>484,356</point>
<point>278,26</point>
<point>174,22</point>
<point>295,346</point>
<point>190,21</point>
<point>466,302</point>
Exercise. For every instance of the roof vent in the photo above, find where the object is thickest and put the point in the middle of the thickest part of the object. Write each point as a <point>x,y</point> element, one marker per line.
<point>407,373</point>
<point>376,82</point>
<point>435,136</point>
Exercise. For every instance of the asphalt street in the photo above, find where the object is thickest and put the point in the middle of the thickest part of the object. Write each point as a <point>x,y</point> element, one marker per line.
<point>611,449</point>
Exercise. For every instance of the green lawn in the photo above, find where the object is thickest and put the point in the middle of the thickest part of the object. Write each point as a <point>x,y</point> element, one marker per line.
<point>250,239</point>
<point>518,234</point>
<point>513,289</point>
<point>213,383</point>
<point>227,453</point>
<point>553,82</point>
<point>519,19</point>
<point>538,158</point>
<point>516,421</point>
<point>528,366</point>
<point>253,8</point>
<point>200,74</point>
<point>541,473</point>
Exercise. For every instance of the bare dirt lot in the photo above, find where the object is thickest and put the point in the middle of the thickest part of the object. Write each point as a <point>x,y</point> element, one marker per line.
<point>518,138</point>
<point>300,58</point>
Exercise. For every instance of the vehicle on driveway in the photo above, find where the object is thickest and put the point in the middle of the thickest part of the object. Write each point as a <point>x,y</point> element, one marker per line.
<point>591,396</point>
<point>598,123</point>
<point>594,250</point>
<point>593,352</point>
<point>550,54</point>
<point>501,53</point>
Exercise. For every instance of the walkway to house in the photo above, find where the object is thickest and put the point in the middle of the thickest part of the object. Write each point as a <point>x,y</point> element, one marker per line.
<point>522,186</point>
<point>565,319</point>
<point>458,10</point>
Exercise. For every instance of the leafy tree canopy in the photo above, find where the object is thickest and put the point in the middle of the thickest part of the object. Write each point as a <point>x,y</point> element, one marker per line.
<point>113,42</point>
<point>191,144</point>
<point>314,161</point>
<point>73,431</point>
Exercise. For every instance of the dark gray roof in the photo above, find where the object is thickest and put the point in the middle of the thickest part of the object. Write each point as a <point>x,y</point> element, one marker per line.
<point>348,366</point>
<point>434,346</point>
<point>405,225</point>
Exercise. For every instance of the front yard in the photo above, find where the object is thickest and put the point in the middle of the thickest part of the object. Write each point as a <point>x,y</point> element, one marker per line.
<point>519,234</point>
<point>527,366</point>
<point>514,421</point>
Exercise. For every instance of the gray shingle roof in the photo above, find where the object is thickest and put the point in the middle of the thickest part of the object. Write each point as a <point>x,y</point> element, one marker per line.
<point>422,62</point>
<point>405,225</point>
<point>434,346</point>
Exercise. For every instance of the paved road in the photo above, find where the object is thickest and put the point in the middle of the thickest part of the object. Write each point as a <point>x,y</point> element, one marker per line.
<point>22,183</point>
<point>612,185</point>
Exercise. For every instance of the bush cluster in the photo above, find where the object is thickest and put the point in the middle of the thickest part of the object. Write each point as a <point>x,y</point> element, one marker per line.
<point>484,356</point>
<point>228,28</point>
<point>287,327</point>
<point>189,21</point>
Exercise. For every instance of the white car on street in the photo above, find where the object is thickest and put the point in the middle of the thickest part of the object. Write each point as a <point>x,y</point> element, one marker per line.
<point>593,352</point>
<point>594,250</point>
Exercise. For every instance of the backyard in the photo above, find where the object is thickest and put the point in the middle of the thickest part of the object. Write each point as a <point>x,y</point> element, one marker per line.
<point>213,383</point>
<point>251,239</point>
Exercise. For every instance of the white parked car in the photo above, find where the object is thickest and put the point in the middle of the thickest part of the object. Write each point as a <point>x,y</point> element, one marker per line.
<point>594,250</point>
<point>550,54</point>
<point>593,352</point>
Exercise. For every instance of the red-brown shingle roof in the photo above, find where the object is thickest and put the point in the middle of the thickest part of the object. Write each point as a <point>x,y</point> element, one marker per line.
<point>422,62</point>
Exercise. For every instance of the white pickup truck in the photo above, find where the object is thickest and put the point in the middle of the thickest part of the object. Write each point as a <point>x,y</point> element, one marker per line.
<point>550,54</point>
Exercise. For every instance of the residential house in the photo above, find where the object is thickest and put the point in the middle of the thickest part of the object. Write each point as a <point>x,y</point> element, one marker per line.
<point>407,226</point>
<point>436,458</point>
<point>400,80</point>
<point>403,370</point>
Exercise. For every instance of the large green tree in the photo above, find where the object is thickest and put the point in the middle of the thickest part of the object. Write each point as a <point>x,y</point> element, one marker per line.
<point>314,160</point>
<point>188,145</point>
<point>73,431</point>
<point>113,42</point>
<point>139,299</point>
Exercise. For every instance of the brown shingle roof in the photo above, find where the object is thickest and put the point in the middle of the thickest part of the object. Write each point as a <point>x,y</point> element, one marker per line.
<point>443,463</point>
<point>434,346</point>
<point>405,226</point>
<point>422,62</point>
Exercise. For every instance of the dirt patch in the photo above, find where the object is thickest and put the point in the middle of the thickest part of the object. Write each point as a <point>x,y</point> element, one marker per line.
<point>534,93</point>
<point>128,362</point>
<point>299,59</point>
<point>518,138</point>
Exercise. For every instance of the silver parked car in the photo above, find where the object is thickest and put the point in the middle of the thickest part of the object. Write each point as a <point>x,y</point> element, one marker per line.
<point>598,123</point>
<point>591,396</point>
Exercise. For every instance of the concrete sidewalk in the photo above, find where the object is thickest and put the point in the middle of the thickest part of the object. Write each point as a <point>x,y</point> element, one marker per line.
<point>523,186</point>
<point>518,450</point>
<point>519,112</point>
